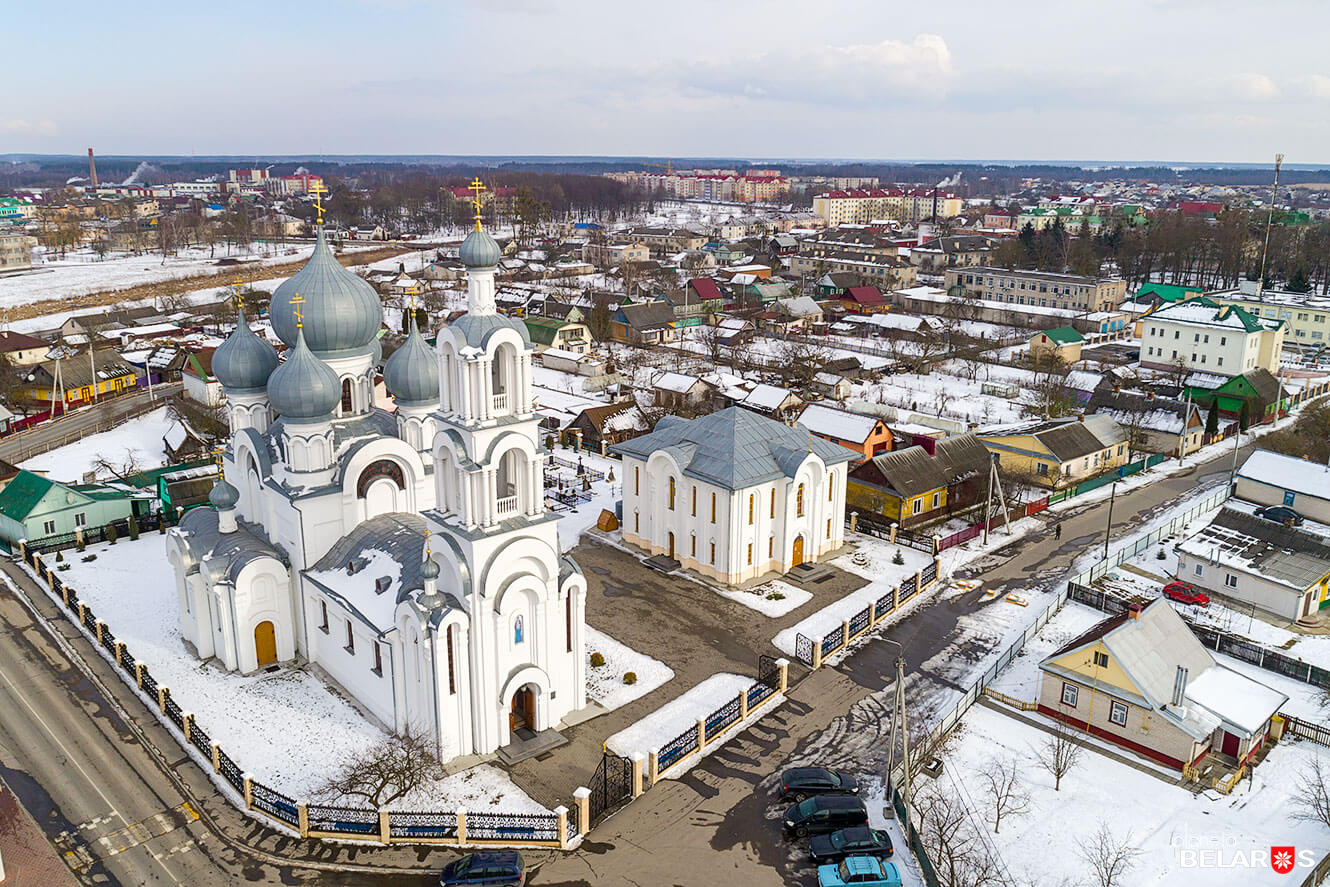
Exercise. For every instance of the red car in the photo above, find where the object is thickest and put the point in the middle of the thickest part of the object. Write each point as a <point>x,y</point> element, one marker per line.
<point>1186,594</point>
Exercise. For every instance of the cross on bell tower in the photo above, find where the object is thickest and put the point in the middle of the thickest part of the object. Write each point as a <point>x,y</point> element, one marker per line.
<point>476,188</point>
<point>318,190</point>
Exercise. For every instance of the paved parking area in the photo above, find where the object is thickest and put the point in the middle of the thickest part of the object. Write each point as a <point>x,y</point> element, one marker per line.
<point>669,617</point>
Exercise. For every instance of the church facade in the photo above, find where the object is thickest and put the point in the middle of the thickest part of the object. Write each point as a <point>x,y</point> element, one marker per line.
<point>407,555</point>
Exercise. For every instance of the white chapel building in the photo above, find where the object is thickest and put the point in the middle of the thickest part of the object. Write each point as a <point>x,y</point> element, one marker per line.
<point>733,495</point>
<point>407,555</point>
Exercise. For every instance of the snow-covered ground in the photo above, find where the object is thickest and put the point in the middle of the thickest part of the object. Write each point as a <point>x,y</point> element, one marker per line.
<point>1157,818</point>
<point>774,598</point>
<point>675,716</point>
<point>139,439</point>
<point>268,723</point>
<point>573,522</point>
<point>605,684</point>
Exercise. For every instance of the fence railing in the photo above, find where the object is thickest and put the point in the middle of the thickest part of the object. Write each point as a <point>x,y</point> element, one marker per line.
<point>309,820</point>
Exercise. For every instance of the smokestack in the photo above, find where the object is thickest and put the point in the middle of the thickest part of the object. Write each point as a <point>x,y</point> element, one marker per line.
<point>92,169</point>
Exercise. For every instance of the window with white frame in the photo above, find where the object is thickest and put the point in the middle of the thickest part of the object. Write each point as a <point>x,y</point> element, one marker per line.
<point>1117,714</point>
<point>1069,694</point>
<point>1231,580</point>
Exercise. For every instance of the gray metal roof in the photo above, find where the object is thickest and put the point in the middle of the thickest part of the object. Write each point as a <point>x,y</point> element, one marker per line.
<point>303,387</point>
<point>412,373</point>
<point>341,312</point>
<point>735,448</point>
<point>475,330</point>
<point>244,361</point>
<point>479,250</point>
<point>226,553</point>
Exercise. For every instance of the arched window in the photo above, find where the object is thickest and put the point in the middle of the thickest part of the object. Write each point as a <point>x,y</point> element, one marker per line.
<point>799,501</point>
<point>671,494</point>
<point>375,470</point>
<point>346,396</point>
<point>831,487</point>
<point>751,500</point>
<point>517,629</point>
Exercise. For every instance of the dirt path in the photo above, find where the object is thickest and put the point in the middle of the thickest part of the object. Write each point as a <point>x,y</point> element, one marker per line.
<point>176,286</point>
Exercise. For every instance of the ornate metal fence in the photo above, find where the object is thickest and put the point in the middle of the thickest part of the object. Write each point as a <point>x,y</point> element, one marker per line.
<point>831,641</point>
<point>861,620</point>
<point>909,587</point>
<point>515,826</point>
<point>419,825</point>
<point>108,640</point>
<point>722,717</point>
<point>347,820</point>
<point>884,605</point>
<point>172,711</point>
<point>230,772</point>
<point>275,804</point>
<point>803,649</point>
<point>199,738</point>
<point>149,684</point>
<point>675,749</point>
<point>611,785</point>
<point>929,572</point>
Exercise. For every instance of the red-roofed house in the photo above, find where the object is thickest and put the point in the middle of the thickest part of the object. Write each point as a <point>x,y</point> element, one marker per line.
<point>863,300</point>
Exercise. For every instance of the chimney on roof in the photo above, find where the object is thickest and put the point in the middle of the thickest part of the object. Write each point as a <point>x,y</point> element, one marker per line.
<point>1179,686</point>
<point>1134,611</point>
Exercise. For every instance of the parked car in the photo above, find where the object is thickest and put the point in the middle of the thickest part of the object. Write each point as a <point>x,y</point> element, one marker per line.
<point>824,813</point>
<point>1186,593</point>
<point>491,868</point>
<point>804,782</point>
<point>861,841</point>
<point>863,871</point>
<point>1280,514</point>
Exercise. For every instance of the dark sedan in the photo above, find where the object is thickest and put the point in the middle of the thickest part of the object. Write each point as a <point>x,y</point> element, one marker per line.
<point>485,868</point>
<point>1280,514</point>
<point>805,782</point>
<point>862,841</point>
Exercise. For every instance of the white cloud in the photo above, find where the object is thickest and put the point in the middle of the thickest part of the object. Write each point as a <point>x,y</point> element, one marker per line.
<point>28,127</point>
<point>1254,87</point>
<point>1317,86</point>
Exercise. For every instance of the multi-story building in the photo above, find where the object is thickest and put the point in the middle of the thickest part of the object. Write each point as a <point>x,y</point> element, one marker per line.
<point>952,251</point>
<point>1201,335</point>
<point>247,176</point>
<point>666,241</point>
<point>839,240</point>
<point>299,183</point>
<point>15,210</point>
<point>608,255</point>
<point>15,249</point>
<point>860,206</point>
<point>1306,316</point>
<point>1044,289</point>
<point>885,272</point>
<point>753,186</point>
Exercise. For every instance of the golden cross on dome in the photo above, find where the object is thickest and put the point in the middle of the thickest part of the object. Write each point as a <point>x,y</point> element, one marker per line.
<point>427,543</point>
<point>217,457</point>
<point>318,189</point>
<point>476,187</point>
<point>240,296</point>
<point>296,301</point>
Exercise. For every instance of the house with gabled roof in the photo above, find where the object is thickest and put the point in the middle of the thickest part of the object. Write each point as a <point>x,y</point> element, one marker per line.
<point>780,404</point>
<point>1058,452</point>
<point>866,436</point>
<point>1200,335</point>
<point>1064,343</point>
<point>562,335</point>
<point>34,507</point>
<point>600,427</point>
<point>644,323</point>
<point>1142,681</point>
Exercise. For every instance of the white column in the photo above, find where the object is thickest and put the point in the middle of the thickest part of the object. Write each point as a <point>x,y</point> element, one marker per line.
<point>486,390</point>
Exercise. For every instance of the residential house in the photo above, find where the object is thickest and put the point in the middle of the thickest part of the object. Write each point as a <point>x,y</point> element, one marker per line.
<point>707,292</point>
<point>16,247</point>
<point>832,386</point>
<point>1063,344</point>
<point>599,428</point>
<point>1152,424</point>
<point>34,507</point>
<point>735,331</point>
<point>733,495</point>
<point>1056,453</point>
<point>952,251</point>
<point>1038,288</point>
<point>610,255</point>
<point>915,487</point>
<point>782,245</point>
<point>558,311</point>
<point>1261,392</point>
<point>644,323</point>
<point>1269,478</point>
<point>794,315</point>
<point>546,332</point>
<point>80,384</point>
<point>690,309</point>
<point>683,394</point>
<point>863,300</point>
<point>1142,681</point>
<point>21,350</point>
<point>196,374</point>
<point>404,286</point>
<point>1203,336</point>
<point>780,404</point>
<point>1248,561</point>
<point>668,241</point>
<point>834,283</point>
<point>867,436</point>
<point>888,272</point>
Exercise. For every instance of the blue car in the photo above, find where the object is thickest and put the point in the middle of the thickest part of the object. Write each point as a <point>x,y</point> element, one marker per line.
<point>861,871</point>
<point>488,868</point>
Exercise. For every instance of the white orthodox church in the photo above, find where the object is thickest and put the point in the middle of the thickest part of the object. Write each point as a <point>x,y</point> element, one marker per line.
<point>407,554</point>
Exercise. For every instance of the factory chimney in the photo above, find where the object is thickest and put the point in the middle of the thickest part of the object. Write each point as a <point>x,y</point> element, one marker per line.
<point>92,169</point>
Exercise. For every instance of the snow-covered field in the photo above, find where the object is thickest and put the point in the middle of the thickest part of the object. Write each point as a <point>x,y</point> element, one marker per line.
<point>1157,818</point>
<point>268,723</point>
<point>139,439</point>
<point>605,684</point>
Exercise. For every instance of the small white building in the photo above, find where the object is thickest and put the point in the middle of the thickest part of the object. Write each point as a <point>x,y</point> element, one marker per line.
<point>1200,335</point>
<point>733,495</point>
<point>1268,478</point>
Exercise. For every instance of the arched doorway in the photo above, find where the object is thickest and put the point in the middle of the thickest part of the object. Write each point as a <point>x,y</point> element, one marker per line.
<point>797,557</point>
<point>522,710</point>
<point>265,643</point>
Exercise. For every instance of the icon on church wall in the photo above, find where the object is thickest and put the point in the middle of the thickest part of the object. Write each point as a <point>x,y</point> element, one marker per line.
<point>517,630</point>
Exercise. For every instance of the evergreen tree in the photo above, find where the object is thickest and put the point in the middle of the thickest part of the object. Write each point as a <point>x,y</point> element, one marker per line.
<point>1298,282</point>
<point>1244,415</point>
<point>1212,420</point>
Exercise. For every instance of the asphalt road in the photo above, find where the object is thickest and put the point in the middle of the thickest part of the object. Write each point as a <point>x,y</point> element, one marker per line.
<point>101,416</point>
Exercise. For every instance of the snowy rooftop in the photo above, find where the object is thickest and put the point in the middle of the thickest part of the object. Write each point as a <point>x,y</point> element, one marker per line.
<point>1288,473</point>
<point>679,383</point>
<point>837,423</point>
<point>766,397</point>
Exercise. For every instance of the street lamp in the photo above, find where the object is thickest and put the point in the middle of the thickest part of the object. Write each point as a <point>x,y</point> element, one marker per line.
<point>898,722</point>
<point>1112,495</point>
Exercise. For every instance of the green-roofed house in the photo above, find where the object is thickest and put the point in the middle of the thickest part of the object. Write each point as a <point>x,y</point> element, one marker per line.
<point>561,335</point>
<point>1156,293</point>
<point>33,507</point>
<point>1063,343</point>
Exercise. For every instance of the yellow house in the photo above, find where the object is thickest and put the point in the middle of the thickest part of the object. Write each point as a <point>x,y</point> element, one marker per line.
<point>906,486</point>
<point>113,376</point>
<point>1064,343</point>
<point>1059,452</point>
<point>1142,680</point>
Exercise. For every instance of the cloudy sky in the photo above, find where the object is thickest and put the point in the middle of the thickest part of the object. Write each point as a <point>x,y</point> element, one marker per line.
<point>1178,80</point>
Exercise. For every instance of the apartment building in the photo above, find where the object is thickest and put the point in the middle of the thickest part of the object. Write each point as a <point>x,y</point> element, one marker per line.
<point>1044,289</point>
<point>15,249</point>
<point>752,186</point>
<point>859,206</point>
<point>1306,316</point>
<point>1201,335</point>
<point>608,255</point>
<point>884,272</point>
<point>667,241</point>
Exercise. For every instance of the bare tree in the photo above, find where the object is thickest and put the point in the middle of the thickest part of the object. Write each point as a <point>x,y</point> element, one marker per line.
<point>390,769</point>
<point>1109,858</point>
<point>1000,781</point>
<point>1060,753</point>
<point>120,466</point>
<point>957,850</point>
<point>1311,798</point>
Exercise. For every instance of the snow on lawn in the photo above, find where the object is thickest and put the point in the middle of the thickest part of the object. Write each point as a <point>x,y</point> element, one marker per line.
<point>675,716</point>
<point>267,723</point>
<point>1021,678</point>
<point>1159,818</point>
<point>774,598</point>
<point>884,576</point>
<point>141,437</point>
<point>605,684</point>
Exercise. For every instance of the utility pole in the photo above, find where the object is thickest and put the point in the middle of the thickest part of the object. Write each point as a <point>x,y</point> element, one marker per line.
<point>1237,436</point>
<point>1112,495</point>
<point>899,724</point>
<point>1182,435</point>
<point>1269,221</point>
<point>995,481</point>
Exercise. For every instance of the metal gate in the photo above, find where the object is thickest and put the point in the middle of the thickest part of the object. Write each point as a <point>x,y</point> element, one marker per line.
<point>768,674</point>
<point>610,786</point>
